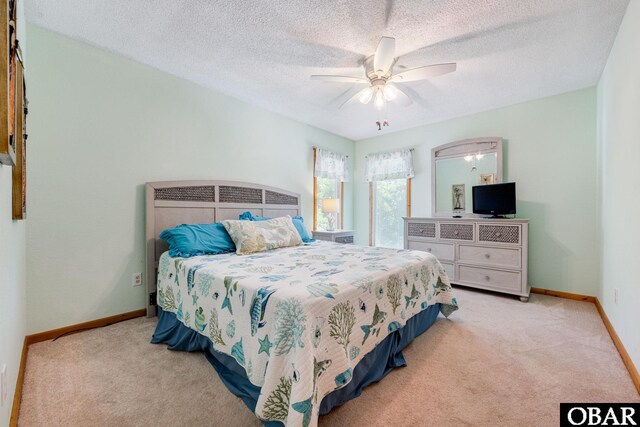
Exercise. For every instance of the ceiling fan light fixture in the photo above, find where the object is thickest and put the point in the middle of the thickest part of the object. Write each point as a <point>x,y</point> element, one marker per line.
<point>390,92</point>
<point>379,77</point>
<point>366,95</point>
<point>379,101</point>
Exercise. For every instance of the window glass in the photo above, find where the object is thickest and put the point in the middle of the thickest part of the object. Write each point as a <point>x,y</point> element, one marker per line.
<point>389,206</point>
<point>326,189</point>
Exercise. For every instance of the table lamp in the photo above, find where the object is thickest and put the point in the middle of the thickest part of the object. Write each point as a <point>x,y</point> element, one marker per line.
<point>331,207</point>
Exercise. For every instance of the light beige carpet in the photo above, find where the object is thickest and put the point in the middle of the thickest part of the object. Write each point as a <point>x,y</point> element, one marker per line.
<point>496,362</point>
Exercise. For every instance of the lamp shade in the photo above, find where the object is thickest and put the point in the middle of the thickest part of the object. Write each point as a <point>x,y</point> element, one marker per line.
<point>330,205</point>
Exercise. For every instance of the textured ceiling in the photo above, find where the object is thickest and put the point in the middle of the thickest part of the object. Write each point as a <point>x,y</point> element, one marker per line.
<point>263,52</point>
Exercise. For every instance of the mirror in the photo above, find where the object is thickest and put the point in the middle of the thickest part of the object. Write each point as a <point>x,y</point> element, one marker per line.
<point>457,167</point>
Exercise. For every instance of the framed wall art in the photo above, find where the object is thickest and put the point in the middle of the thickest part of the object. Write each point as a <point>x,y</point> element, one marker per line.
<point>487,178</point>
<point>457,197</point>
<point>8,77</point>
<point>19,174</point>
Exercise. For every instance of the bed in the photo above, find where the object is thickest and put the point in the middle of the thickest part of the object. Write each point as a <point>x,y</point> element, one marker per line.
<point>293,331</point>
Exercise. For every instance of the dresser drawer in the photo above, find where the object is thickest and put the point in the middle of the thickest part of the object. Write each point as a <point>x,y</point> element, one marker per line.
<point>499,233</point>
<point>338,236</point>
<point>439,250</point>
<point>452,231</point>
<point>343,239</point>
<point>486,277</point>
<point>498,257</point>
<point>449,269</point>
<point>421,229</point>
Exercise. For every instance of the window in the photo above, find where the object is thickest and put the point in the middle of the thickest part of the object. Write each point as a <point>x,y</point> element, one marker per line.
<point>327,188</point>
<point>329,174</point>
<point>389,206</point>
<point>389,176</point>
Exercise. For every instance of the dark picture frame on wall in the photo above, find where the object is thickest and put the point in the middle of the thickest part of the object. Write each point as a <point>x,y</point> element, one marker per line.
<point>13,108</point>
<point>19,174</point>
<point>8,88</point>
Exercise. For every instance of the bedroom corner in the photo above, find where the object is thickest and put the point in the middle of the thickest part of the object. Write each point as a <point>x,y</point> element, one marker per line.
<point>618,175</point>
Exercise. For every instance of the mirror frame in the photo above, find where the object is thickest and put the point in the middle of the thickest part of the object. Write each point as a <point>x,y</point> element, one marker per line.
<point>485,145</point>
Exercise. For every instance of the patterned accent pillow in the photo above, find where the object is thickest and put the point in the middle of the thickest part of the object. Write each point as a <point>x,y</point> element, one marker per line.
<point>259,236</point>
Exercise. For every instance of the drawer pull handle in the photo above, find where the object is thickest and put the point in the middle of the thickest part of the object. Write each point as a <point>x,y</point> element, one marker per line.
<point>487,278</point>
<point>456,232</point>
<point>498,234</point>
<point>428,249</point>
<point>487,256</point>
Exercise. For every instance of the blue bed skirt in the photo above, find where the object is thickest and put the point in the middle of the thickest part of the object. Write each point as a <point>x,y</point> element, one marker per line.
<point>386,356</point>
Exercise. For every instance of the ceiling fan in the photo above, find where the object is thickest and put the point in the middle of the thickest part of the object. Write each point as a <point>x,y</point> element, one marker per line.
<point>382,83</point>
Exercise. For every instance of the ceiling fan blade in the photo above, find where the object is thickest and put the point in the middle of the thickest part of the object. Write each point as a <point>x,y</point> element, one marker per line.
<point>423,73</point>
<point>339,79</point>
<point>402,98</point>
<point>354,98</point>
<point>383,58</point>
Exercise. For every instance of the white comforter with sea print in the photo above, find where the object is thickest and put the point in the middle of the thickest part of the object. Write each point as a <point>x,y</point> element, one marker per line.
<point>300,319</point>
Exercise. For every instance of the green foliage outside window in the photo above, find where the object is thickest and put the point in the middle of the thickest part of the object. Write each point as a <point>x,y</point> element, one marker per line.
<point>326,189</point>
<point>390,205</point>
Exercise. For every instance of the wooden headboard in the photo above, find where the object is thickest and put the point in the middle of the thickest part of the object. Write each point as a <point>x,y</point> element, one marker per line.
<point>171,203</point>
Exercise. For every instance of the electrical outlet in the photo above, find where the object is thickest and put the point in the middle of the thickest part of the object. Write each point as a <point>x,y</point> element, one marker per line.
<point>615,295</point>
<point>137,279</point>
<point>3,384</point>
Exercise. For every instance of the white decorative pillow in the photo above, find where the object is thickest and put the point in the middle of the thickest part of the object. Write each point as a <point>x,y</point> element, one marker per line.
<point>259,236</point>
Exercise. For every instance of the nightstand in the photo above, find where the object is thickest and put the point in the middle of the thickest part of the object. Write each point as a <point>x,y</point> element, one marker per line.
<point>338,236</point>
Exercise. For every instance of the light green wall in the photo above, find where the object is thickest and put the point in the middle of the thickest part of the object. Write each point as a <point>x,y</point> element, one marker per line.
<point>550,152</point>
<point>100,127</point>
<point>12,290</point>
<point>12,273</point>
<point>619,178</point>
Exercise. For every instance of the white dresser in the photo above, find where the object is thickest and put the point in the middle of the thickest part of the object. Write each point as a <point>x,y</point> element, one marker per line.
<point>481,253</point>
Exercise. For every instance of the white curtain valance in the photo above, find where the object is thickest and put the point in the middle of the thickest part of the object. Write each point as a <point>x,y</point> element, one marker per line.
<point>392,165</point>
<point>330,164</point>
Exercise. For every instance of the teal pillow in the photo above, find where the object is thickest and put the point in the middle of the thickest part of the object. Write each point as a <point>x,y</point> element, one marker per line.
<point>189,240</point>
<point>298,222</point>
<point>248,216</point>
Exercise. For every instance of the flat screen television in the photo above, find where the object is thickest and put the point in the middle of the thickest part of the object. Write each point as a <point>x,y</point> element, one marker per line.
<point>495,199</point>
